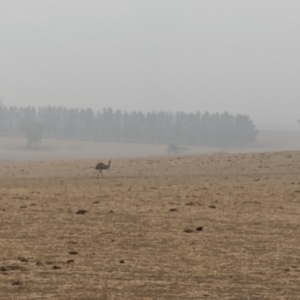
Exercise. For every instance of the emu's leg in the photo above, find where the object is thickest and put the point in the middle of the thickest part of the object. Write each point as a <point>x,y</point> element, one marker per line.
<point>101,173</point>
<point>98,174</point>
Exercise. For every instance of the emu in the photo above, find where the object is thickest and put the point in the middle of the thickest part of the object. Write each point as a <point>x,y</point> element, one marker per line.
<point>101,166</point>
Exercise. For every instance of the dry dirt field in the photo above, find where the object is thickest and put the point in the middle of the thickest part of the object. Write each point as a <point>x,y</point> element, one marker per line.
<point>222,226</point>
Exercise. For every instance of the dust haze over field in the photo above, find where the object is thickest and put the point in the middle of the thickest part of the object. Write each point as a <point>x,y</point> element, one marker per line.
<point>14,149</point>
<point>235,56</point>
<point>215,221</point>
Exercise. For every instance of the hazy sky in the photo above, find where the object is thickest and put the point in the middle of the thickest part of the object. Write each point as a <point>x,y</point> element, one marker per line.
<point>240,56</point>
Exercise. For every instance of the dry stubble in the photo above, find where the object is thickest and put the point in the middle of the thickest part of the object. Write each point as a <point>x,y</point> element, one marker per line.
<point>138,237</point>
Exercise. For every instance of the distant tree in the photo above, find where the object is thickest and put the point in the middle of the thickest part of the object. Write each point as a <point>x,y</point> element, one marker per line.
<point>33,131</point>
<point>245,130</point>
<point>179,128</point>
<point>86,123</point>
<point>98,126</point>
<point>51,117</point>
<point>206,129</point>
<point>193,128</point>
<point>226,134</point>
<point>3,121</point>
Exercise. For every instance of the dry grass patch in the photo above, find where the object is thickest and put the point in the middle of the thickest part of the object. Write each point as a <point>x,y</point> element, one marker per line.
<point>198,227</point>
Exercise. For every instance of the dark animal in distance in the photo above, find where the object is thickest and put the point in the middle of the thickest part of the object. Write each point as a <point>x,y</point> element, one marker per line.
<point>172,148</point>
<point>101,166</point>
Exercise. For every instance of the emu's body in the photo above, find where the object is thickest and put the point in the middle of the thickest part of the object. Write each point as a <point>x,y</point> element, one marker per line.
<point>101,166</point>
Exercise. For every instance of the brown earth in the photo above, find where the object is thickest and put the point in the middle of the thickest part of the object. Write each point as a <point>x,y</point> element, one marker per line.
<point>138,238</point>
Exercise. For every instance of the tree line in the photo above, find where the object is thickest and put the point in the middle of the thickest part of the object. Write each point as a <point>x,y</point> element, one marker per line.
<point>207,129</point>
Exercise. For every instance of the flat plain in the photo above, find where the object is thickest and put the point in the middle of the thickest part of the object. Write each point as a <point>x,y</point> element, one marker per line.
<point>219,226</point>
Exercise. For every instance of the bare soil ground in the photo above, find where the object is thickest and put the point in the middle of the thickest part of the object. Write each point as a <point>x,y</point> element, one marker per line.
<point>222,226</point>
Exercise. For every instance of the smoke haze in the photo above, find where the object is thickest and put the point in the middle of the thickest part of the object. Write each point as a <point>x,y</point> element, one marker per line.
<point>216,56</point>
